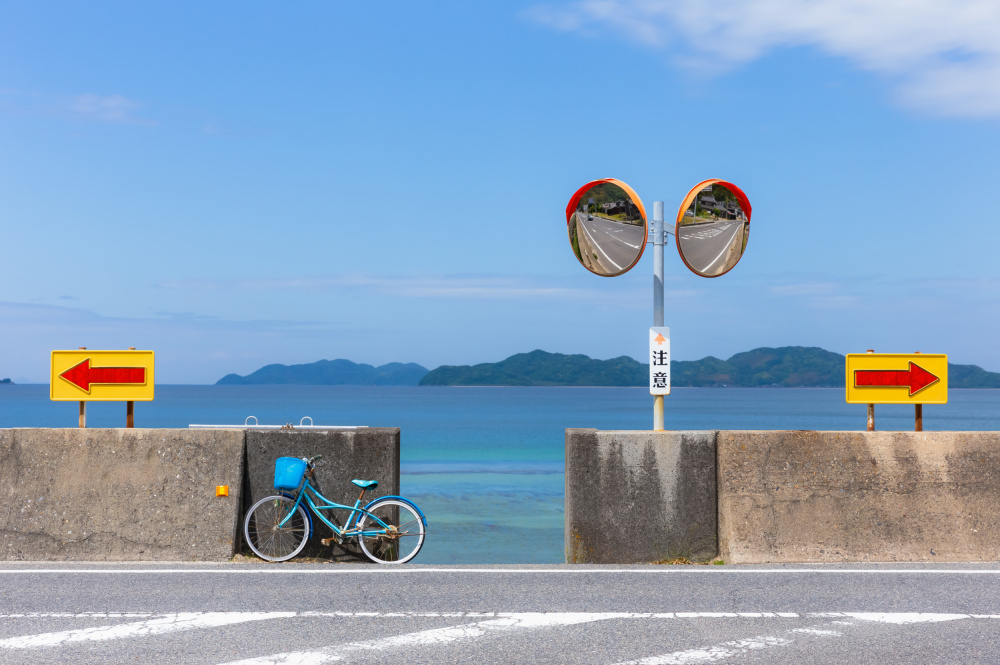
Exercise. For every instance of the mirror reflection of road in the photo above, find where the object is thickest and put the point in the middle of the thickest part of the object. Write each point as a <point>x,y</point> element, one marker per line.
<point>616,244</point>
<point>709,248</point>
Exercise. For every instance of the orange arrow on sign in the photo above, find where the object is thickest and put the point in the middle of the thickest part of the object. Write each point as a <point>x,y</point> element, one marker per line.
<point>659,339</point>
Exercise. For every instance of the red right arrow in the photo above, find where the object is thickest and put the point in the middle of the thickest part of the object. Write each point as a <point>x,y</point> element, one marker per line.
<point>82,375</point>
<point>916,378</point>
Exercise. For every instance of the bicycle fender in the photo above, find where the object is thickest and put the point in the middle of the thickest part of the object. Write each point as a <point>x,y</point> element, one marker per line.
<point>306,510</point>
<point>398,498</point>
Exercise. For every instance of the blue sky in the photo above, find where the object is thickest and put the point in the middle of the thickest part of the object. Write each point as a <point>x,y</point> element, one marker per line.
<point>234,184</point>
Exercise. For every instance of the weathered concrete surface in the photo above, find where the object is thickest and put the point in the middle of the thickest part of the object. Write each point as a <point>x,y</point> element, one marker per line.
<point>859,496</point>
<point>370,453</point>
<point>640,496</point>
<point>119,494</point>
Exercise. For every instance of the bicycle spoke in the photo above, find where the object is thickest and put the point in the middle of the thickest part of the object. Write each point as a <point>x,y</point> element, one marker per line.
<point>266,538</point>
<point>384,545</point>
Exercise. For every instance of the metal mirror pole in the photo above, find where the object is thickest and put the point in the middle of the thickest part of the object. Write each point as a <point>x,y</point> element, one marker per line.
<point>658,237</point>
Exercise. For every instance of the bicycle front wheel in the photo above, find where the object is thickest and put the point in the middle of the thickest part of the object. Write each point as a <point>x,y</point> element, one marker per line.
<point>269,541</point>
<point>399,539</point>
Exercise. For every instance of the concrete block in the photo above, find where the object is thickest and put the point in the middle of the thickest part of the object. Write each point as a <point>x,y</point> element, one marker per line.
<point>368,454</point>
<point>640,496</point>
<point>859,496</point>
<point>119,494</point>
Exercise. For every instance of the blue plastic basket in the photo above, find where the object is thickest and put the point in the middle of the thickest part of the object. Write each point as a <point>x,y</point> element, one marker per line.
<point>288,473</point>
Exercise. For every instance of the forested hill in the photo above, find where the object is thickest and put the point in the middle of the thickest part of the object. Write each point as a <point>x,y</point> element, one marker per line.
<point>540,368</point>
<point>789,366</point>
<point>332,373</point>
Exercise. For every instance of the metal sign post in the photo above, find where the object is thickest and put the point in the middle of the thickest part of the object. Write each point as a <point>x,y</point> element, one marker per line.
<point>658,297</point>
<point>711,230</point>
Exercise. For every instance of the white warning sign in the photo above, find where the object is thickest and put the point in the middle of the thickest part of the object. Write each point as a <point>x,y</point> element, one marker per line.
<point>659,361</point>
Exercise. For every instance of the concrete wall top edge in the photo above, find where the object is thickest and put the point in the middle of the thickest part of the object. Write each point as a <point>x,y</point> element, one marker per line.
<point>639,431</point>
<point>205,429</point>
<point>784,431</point>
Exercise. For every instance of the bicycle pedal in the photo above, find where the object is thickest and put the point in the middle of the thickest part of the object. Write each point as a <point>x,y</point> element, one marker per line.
<point>330,541</point>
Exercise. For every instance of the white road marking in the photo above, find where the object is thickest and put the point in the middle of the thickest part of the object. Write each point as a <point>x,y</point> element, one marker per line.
<point>725,650</point>
<point>293,569</point>
<point>882,617</point>
<point>901,618</point>
<point>732,648</point>
<point>594,244</point>
<point>724,250</point>
<point>712,653</point>
<point>704,234</point>
<point>166,624</point>
<point>817,631</point>
<point>457,615</point>
<point>527,620</point>
<point>621,230</point>
<point>79,615</point>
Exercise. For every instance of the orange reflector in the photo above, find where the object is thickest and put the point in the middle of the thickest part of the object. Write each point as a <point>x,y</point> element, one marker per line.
<point>222,490</point>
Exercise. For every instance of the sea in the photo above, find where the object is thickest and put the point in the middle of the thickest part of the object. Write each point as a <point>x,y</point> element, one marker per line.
<point>486,465</point>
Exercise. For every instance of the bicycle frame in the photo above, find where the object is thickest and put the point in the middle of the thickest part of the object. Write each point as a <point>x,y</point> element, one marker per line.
<point>356,512</point>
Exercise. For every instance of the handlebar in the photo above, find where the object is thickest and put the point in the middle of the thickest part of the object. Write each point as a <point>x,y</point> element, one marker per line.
<point>310,460</point>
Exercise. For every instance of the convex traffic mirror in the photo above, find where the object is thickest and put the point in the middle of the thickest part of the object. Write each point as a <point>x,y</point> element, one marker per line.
<point>713,226</point>
<point>607,227</point>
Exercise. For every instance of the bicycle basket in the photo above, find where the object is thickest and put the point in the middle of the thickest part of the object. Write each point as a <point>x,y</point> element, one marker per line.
<point>288,473</point>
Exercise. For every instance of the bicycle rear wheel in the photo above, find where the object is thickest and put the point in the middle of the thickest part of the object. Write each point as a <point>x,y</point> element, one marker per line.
<point>263,535</point>
<point>401,538</point>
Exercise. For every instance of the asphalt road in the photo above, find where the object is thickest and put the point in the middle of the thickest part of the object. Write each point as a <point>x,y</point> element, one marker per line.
<point>654,615</point>
<point>617,244</point>
<point>706,246</point>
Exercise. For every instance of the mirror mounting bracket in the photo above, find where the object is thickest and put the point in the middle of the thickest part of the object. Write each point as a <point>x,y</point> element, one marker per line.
<point>667,229</point>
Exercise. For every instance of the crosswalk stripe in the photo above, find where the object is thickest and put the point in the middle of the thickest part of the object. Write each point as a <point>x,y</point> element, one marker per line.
<point>726,650</point>
<point>434,636</point>
<point>165,624</point>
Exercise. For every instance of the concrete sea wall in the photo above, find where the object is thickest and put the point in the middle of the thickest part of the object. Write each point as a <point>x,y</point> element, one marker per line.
<point>149,494</point>
<point>119,494</point>
<point>631,496</point>
<point>637,497</point>
<point>782,496</point>
<point>859,496</point>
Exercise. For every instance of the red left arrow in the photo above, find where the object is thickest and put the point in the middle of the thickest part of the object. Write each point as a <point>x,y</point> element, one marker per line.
<point>83,375</point>
<point>916,378</point>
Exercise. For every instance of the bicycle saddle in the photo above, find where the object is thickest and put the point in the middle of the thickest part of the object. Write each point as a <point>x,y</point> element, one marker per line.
<point>366,484</point>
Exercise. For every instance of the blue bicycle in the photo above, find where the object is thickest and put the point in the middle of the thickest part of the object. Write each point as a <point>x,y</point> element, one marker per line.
<point>390,529</point>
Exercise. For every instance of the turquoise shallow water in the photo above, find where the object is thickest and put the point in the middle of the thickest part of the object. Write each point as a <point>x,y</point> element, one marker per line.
<point>486,464</point>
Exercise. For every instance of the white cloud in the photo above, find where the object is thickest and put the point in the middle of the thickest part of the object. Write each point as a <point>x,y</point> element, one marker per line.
<point>941,56</point>
<point>110,108</point>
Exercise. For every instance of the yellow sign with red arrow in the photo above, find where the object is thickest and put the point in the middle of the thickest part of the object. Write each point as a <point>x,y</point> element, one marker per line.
<point>102,376</point>
<point>897,378</point>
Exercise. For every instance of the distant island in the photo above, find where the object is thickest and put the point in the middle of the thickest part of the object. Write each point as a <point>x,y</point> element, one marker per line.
<point>787,366</point>
<point>331,373</point>
<point>6,381</point>
<point>540,368</point>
